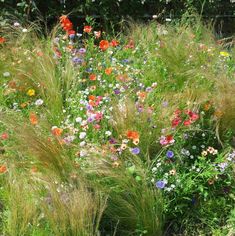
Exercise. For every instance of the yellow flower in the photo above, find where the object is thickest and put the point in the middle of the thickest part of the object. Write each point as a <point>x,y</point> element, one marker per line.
<point>224,54</point>
<point>31,92</point>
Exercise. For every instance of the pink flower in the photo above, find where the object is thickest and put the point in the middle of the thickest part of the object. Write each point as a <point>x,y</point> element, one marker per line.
<point>166,140</point>
<point>187,122</point>
<point>176,121</point>
<point>4,136</point>
<point>98,116</point>
<point>193,116</point>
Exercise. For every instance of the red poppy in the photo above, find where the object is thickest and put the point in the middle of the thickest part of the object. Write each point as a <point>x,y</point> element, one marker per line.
<point>175,122</point>
<point>187,122</point>
<point>66,24</point>
<point>114,43</point>
<point>2,40</point>
<point>71,32</point>
<point>104,45</point>
<point>169,138</point>
<point>177,112</point>
<point>193,116</point>
<point>87,29</point>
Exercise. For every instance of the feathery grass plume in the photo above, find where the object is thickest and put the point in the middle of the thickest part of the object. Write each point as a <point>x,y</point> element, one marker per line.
<point>179,58</point>
<point>21,205</point>
<point>73,210</point>
<point>225,103</point>
<point>34,66</point>
<point>34,144</point>
<point>133,205</point>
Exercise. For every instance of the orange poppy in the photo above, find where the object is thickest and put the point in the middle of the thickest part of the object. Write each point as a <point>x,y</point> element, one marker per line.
<point>132,135</point>
<point>33,118</point>
<point>92,77</point>
<point>63,18</point>
<point>92,103</point>
<point>91,97</point>
<point>3,169</point>
<point>108,71</point>
<point>34,169</point>
<point>2,40</point>
<point>104,45</point>
<point>57,131</point>
<point>87,29</point>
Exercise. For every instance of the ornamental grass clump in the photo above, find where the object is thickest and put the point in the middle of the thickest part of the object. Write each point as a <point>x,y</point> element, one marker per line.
<point>132,205</point>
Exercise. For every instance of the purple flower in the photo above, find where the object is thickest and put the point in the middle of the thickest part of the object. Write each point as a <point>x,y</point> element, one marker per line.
<point>165,104</point>
<point>112,141</point>
<point>148,89</point>
<point>82,50</point>
<point>116,91</point>
<point>169,154</point>
<point>114,158</point>
<point>135,150</point>
<point>222,166</point>
<point>89,107</point>
<point>160,184</point>
<point>77,60</point>
<point>90,119</point>
<point>125,61</point>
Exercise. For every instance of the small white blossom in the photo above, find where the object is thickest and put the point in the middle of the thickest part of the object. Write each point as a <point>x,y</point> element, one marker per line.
<point>38,102</point>
<point>82,144</point>
<point>6,74</point>
<point>108,133</point>
<point>78,119</point>
<point>82,135</point>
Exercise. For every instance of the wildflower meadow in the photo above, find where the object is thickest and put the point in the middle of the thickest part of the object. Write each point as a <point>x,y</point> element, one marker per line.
<point>116,133</point>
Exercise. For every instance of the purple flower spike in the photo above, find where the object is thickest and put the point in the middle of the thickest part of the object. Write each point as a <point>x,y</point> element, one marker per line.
<point>160,184</point>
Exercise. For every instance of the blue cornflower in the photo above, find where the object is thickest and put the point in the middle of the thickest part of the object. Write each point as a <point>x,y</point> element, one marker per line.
<point>135,150</point>
<point>169,154</point>
<point>160,184</point>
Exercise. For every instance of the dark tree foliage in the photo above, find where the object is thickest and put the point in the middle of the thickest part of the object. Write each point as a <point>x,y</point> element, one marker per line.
<point>106,11</point>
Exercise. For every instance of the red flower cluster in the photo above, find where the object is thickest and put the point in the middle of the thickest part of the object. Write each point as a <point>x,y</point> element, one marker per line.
<point>104,44</point>
<point>67,25</point>
<point>179,117</point>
